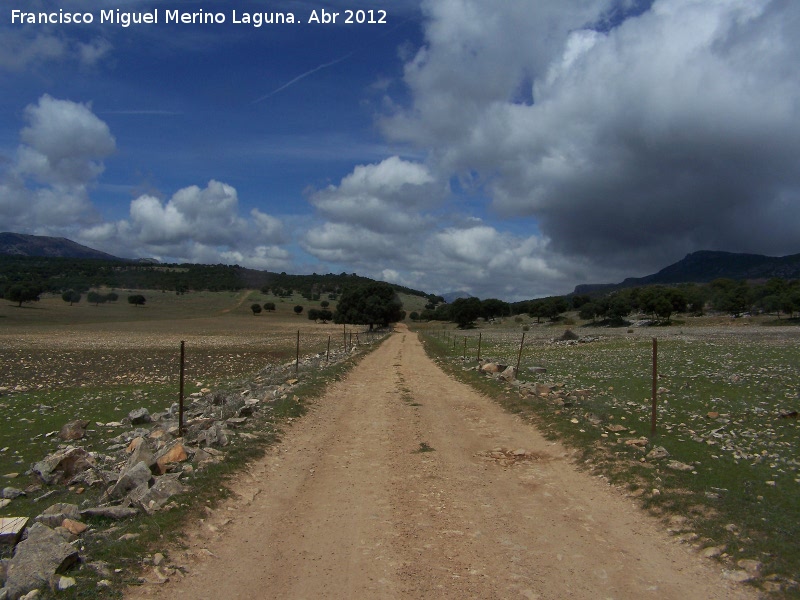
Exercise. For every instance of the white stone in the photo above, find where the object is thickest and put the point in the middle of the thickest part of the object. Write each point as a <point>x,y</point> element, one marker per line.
<point>64,583</point>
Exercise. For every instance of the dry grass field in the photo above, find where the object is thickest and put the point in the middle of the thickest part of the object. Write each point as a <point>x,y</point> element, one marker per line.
<point>61,362</point>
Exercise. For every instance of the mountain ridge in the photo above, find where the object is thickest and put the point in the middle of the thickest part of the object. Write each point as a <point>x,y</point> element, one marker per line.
<point>22,244</point>
<point>704,266</point>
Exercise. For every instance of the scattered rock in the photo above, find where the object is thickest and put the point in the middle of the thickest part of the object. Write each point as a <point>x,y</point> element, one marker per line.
<point>131,479</point>
<point>508,374</point>
<point>154,498</point>
<point>11,529</point>
<point>43,554</point>
<point>676,465</point>
<point>74,430</point>
<point>74,527</point>
<point>158,576</point>
<point>63,465</point>
<point>54,515</point>
<point>213,436</point>
<point>139,416</point>
<point>712,551</point>
<point>657,453</point>
<point>110,512</point>
<point>61,583</point>
<point>170,454</point>
<point>492,368</point>
<point>738,576</point>
<point>753,567</point>
<point>569,335</point>
<point>10,493</point>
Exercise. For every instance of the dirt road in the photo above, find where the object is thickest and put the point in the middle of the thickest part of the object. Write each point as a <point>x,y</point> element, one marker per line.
<point>348,507</point>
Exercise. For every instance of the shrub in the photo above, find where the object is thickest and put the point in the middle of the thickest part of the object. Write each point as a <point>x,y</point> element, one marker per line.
<point>136,300</point>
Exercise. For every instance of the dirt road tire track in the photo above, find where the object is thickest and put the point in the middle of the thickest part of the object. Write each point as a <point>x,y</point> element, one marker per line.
<point>348,507</point>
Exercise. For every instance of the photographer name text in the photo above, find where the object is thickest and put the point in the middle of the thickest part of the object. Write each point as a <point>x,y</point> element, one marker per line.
<point>159,16</point>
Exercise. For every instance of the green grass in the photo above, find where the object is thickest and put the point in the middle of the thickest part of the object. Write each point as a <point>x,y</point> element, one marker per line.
<point>424,447</point>
<point>722,394</point>
<point>99,363</point>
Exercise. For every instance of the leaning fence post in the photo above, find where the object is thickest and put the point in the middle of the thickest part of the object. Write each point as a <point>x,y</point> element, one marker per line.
<point>480,334</point>
<point>328,353</point>
<point>519,356</point>
<point>297,359</point>
<point>655,389</point>
<point>180,392</point>
<point>465,348</point>
<point>344,333</point>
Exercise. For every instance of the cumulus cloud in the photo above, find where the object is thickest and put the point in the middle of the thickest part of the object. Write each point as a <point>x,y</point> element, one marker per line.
<point>45,189</point>
<point>64,142</point>
<point>384,197</point>
<point>376,217</point>
<point>196,225</point>
<point>47,182</point>
<point>630,140</point>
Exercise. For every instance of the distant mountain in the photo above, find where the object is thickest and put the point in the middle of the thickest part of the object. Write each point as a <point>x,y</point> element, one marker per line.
<point>19,244</point>
<point>705,266</point>
<point>450,296</point>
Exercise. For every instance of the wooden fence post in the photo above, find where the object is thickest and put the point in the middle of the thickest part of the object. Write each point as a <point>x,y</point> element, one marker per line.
<point>519,356</point>
<point>180,392</point>
<point>653,411</point>
<point>297,360</point>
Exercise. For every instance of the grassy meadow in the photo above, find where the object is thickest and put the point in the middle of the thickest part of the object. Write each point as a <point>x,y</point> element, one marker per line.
<point>727,395</point>
<point>62,362</point>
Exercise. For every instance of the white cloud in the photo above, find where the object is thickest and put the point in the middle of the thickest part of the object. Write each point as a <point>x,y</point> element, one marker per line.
<point>196,225</point>
<point>385,197</point>
<point>64,142</point>
<point>667,132</point>
<point>22,50</point>
<point>91,53</point>
<point>46,185</point>
<point>45,190</point>
<point>26,49</point>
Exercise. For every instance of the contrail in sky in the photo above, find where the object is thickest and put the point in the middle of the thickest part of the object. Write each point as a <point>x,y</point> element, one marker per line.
<point>303,76</point>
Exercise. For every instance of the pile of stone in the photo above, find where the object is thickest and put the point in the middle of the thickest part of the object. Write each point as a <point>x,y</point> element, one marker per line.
<point>138,473</point>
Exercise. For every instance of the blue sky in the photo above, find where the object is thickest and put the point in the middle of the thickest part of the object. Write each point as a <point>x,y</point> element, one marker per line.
<point>510,149</point>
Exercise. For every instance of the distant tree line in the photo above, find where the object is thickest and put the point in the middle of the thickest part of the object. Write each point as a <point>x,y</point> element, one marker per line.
<point>59,275</point>
<point>313,287</point>
<point>463,311</point>
<point>659,302</point>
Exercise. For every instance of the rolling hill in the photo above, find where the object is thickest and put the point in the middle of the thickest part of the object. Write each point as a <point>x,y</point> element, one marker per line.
<point>705,266</point>
<point>20,244</point>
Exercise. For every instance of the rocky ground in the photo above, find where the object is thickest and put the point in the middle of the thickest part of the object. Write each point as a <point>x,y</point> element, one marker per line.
<point>138,472</point>
<point>402,483</point>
